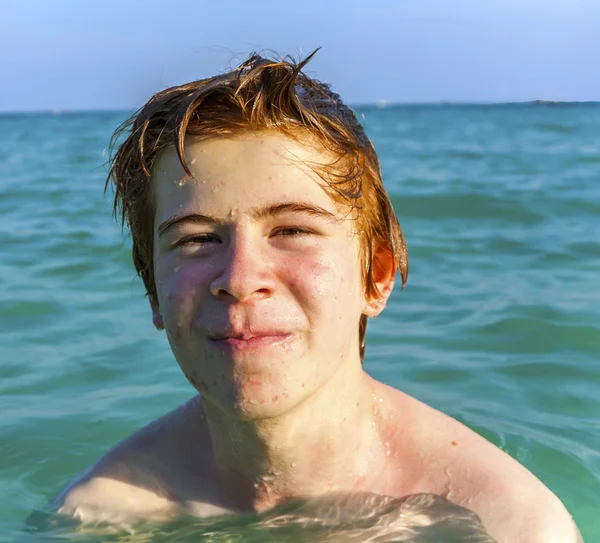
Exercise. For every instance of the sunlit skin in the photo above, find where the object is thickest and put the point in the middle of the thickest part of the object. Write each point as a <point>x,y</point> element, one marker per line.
<point>260,291</point>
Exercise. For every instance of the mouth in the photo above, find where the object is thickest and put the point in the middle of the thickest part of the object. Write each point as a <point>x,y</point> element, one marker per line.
<point>250,342</point>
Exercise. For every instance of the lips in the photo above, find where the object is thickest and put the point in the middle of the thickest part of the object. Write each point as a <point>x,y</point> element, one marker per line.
<point>244,341</point>
<point>250,342</point>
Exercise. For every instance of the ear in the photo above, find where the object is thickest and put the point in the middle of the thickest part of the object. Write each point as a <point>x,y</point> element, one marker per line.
<point>157,318</point>
<point>384,277</point>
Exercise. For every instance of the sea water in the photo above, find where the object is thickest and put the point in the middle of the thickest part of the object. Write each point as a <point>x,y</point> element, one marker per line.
<point>498,326</point>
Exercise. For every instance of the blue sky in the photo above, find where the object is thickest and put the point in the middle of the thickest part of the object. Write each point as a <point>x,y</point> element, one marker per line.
<point>90,54</point>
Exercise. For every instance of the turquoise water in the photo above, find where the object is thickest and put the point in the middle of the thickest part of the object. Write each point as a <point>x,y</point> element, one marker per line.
<point>499,325</point>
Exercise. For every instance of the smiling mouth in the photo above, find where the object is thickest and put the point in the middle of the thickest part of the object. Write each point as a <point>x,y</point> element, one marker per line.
<point>251,342</point>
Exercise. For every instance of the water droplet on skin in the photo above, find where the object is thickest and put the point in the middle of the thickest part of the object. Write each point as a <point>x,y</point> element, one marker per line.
<point>388,452</point>
<point>276,473</point>
<point>294,464</point>
<point>183,180</point>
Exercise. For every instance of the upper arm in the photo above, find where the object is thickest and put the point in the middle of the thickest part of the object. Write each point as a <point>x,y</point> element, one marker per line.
<point>555,527</point>
<point>129,482</point>
<point>512,503</point>
<point>526,515</point>
<point>125,484</point>
<point>102,499</point>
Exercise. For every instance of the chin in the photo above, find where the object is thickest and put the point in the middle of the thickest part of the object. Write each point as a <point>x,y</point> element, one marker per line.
<point>254,413</point>
<point>251,401</point>
<point>248,386</point>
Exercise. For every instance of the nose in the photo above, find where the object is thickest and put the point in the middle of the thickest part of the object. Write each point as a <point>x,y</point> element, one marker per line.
<point>245,273</point>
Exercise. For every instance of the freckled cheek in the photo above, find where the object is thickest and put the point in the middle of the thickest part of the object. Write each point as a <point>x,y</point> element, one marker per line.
<point>311,279</point>
<point>178,285</point>
<point>322,280</point>
<point>180,294</point>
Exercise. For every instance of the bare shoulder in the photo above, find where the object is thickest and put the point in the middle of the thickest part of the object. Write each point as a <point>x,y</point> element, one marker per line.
<point>513,504</point>
<point>515,508</point>
<point>104,499</point>
<point>132,480</point>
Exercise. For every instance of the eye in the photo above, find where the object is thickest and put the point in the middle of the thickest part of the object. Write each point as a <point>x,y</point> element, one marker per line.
<point>293,231</point>
<point>197,239</point>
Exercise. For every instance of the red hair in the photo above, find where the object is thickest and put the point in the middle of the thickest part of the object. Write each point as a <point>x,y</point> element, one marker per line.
<point>259,95</point>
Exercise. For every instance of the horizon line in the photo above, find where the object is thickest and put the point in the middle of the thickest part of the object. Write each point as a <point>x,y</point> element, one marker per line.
<point>380,104</point>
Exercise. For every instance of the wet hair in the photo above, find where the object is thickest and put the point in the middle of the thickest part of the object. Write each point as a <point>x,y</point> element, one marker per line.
<point>261,94</point>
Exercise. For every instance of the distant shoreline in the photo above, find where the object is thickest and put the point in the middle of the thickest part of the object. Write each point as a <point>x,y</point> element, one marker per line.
<point>382,104</point>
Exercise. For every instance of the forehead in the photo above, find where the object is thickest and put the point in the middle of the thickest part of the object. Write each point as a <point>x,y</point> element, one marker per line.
<point>229,173</point>
<point>268,150</point>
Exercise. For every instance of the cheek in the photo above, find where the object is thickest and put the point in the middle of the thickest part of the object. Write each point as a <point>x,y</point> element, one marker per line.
<point>308,278</point>
<point>323,281</point>
<point>178,288</point>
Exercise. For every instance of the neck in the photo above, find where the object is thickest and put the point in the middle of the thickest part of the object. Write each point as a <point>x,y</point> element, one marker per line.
<point>329,443</point>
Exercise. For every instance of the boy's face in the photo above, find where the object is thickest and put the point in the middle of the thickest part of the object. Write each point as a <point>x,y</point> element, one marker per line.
<point>257,270</point>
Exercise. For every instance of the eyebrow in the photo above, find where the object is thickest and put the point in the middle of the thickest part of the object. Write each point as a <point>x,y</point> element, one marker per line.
<point>258,213</point>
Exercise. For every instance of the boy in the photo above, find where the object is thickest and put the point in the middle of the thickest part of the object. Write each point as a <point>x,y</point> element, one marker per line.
<point>265,239</point>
